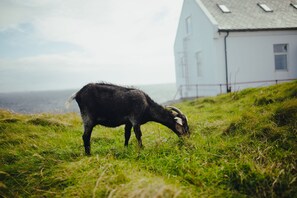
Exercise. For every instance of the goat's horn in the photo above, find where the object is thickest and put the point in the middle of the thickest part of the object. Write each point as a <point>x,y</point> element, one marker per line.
<point>175,109</point>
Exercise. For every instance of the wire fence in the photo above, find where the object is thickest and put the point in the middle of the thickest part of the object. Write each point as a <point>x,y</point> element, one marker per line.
<point>199,90</point>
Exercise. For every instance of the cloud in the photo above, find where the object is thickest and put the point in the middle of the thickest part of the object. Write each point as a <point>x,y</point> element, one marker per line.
<point>127,26</point>
<point>120,41</point>
<point>15,12</point>
<point>53,72</point>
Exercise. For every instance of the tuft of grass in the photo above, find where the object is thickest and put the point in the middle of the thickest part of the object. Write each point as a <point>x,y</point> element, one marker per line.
<point>263,101</point>
<point>45,122</point>
<point>9,120</point>
<point>286,113</point>
<point>242,144</point>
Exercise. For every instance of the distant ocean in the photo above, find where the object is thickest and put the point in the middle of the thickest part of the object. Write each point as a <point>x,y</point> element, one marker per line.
<point>54,101</point>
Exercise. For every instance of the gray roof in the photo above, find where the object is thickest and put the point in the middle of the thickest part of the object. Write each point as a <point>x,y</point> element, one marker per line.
<point>246,15</point>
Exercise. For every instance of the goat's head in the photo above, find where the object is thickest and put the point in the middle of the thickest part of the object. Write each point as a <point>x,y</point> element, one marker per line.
<point>181,121</point>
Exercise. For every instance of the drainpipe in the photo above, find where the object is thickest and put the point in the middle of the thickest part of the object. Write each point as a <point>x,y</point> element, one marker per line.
<point>228,89</point>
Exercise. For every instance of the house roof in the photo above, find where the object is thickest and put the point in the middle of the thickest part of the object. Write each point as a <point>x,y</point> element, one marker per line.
<point>247,15</point>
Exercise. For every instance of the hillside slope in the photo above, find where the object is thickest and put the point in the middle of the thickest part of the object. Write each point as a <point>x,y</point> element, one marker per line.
<point>242,144</point>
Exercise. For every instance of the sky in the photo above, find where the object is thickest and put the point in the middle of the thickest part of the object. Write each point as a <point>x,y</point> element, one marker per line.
<point>54,44</point>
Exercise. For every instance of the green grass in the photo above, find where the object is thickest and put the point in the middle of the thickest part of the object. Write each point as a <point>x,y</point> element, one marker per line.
<point>242,144</point>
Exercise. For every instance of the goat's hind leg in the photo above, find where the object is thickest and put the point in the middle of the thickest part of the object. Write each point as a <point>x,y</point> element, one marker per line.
<point>138,135</point>
<point>88,128</point>
<point>128,128</point>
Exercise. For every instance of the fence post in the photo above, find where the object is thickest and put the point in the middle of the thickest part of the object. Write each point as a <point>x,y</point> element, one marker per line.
<point>181,91</point>
<point>220,88</point>
<point>197,91</point>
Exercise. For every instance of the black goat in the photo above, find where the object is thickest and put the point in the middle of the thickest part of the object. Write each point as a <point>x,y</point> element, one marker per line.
<point>111,105</point>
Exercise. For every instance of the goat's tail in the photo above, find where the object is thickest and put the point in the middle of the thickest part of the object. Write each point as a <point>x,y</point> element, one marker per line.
<point>68,102</point>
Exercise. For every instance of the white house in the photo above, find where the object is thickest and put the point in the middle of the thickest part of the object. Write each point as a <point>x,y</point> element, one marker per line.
<point>227,45</point>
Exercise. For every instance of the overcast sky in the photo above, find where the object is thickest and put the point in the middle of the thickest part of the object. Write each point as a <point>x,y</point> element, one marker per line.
<point>54,44</point>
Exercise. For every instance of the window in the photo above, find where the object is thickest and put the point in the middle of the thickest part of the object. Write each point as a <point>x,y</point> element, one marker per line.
<point>188,25</point>
<point>280,56</point>
<point>265,7</point>
<point>224,8</point>
<point>198,57</point>
<point>294,5</point>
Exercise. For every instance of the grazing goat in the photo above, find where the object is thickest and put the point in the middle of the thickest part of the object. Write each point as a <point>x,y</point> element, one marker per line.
<point>111,106</point>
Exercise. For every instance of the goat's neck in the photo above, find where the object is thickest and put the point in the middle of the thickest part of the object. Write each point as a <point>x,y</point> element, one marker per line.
<point>162,116</point>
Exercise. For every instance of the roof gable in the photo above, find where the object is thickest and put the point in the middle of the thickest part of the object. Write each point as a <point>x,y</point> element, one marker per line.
<point>248,15</point>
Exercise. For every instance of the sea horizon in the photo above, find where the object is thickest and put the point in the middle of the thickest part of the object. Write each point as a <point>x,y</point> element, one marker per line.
<point>53,101</point>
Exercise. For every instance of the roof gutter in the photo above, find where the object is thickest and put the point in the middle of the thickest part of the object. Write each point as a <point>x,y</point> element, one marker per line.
<point>257,29</point>
<point>228,88</point>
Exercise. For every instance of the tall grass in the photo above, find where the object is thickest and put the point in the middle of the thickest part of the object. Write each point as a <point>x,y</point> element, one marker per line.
<point>242,144</point>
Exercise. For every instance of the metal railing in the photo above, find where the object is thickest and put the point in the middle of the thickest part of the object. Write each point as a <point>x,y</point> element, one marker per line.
<point>221,87</point>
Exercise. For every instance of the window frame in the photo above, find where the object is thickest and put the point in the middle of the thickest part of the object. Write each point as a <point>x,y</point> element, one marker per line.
<point>188,22</point>
<point>294,5</point>
<point>224,8</point>
<point>280,53</point>
<point>199,61</point>
<point>265,7</point>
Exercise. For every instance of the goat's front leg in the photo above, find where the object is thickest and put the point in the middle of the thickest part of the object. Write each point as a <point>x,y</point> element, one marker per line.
<point>128,128</point>
<point>138,135</point>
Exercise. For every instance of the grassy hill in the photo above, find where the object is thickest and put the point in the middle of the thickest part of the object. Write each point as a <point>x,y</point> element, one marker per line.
<point>242,144</point>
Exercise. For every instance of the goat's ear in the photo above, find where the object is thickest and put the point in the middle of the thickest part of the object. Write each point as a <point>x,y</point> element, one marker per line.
<point>179,121</point>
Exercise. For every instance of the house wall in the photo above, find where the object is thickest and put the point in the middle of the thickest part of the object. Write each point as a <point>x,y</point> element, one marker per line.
<point>251,57</point>
<point>198,46</point>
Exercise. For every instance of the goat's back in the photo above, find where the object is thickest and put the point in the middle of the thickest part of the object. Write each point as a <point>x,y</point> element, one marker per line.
<point>111,102</point>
